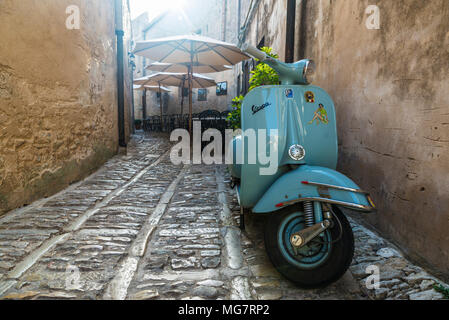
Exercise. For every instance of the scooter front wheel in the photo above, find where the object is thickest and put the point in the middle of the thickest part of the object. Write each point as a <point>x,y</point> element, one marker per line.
<point>321,262</point>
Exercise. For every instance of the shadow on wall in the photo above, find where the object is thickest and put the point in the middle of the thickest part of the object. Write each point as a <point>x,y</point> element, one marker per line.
<point>389,86</point>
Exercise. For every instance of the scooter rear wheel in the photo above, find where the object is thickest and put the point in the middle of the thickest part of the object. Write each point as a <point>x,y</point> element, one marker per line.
<point>321,263</point>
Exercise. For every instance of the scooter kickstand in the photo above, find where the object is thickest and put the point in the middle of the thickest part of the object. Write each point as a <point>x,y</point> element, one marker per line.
<point>242,220</point>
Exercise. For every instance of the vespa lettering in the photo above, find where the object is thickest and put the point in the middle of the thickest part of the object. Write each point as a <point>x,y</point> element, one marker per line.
<point>256,109</point>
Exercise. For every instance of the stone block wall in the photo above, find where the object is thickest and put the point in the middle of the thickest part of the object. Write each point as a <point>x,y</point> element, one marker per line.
<point>58,96</point>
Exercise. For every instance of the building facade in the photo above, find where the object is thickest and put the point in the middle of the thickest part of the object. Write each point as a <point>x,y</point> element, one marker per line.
<point>385,64</point>
<point>217,19</point>
<point>58,93</point>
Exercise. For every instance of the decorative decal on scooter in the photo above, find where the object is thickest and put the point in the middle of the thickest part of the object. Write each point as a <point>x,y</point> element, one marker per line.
<point>310,97</point>
<point>256,109</point>
<point>320,115</point>
<point>289,93</point>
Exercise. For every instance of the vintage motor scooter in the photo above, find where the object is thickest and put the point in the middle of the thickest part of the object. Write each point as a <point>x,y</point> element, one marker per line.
<point>307,236</point>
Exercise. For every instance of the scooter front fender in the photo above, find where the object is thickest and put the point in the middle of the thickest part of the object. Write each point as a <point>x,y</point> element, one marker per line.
<point>318,184</point>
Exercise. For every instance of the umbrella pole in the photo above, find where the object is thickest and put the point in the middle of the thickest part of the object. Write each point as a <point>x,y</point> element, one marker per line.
<point>144,104</point>
<point>190,89</point>
<point>190,101</point>
<point>162,116</point>
<point>182,95</point>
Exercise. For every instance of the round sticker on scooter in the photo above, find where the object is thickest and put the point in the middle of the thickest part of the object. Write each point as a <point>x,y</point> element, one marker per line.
<point>310,97</point>
<point>289,93</point>
<point>297,152</point>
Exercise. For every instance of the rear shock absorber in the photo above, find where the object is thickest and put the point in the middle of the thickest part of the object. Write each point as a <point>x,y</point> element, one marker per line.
<point>308,213</point>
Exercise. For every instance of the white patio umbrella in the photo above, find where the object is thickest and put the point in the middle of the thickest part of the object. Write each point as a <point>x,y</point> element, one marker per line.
<point>190,50</point>
<point>151,88</point>
<point>183,67</point>
<point>156,88</point>
<point>178,80</point>
<point>175,80</point>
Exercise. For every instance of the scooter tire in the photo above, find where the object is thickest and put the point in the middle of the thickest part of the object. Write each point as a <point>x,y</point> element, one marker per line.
<point>331,270</point>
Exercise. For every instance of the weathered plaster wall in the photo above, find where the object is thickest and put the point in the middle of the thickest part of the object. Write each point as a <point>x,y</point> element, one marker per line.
<point>390,87</point>
<point>58,107</point>
<point>262,22</point>
<point>269,22</point>
<point>391,91</point>
<point>138,25</point>
<point>128,70</point>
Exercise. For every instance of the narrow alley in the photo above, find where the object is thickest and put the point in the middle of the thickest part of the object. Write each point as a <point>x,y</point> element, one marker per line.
<point>142,228</point>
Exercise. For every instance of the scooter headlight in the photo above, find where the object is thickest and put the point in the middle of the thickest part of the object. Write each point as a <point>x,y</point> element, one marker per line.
<point>309,72</point>
<point>297,152</point>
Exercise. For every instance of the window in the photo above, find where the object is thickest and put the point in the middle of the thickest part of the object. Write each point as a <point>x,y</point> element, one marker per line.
<point>222,88</point>
<point>202,94</point>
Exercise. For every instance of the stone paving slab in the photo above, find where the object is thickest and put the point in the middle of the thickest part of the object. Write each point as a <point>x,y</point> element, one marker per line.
<point>30,238</point>
<point>399,278</point>
<point>184,255</point>
<point>99,245</point>
<point>143,229</point>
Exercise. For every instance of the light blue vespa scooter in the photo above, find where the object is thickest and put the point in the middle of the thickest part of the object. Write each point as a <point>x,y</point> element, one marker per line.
<point>307,237</point>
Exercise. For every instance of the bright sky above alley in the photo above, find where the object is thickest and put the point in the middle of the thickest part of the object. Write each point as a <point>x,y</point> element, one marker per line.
<point>154,7</point>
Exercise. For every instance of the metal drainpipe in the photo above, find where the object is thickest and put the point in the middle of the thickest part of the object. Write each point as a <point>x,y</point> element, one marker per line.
<point>290,39</point>
<point>144,104</point>
<point>133,128</point>
<point>303,30</point>
<point>120,72</point>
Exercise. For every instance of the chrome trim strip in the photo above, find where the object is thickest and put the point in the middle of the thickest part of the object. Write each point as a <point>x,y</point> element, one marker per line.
<point>331,201</point>
<point>336,187</point>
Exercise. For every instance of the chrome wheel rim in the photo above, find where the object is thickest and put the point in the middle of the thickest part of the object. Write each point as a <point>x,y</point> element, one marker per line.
<point>312,255</point>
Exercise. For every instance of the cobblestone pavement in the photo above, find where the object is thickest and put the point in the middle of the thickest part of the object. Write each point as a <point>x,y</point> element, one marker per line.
<point>141,228</point>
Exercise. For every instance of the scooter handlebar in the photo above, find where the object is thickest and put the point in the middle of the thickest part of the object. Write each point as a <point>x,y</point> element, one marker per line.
<point>253,51</point>
<point>289,73</point>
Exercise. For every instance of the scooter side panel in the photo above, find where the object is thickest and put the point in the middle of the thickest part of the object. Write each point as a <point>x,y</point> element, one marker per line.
<point>287,110</point>
<point>290,187</point>
<point>236,167</point>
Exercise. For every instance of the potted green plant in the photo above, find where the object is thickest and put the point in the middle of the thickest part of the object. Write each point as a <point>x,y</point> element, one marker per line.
<point>262,75</point>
